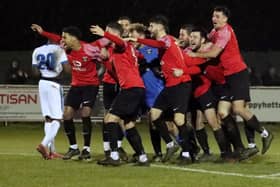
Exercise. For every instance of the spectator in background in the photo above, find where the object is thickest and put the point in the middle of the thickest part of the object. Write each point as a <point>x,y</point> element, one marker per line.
<point>255,79</point>
<point>270,77</point>
<point>15,74</point>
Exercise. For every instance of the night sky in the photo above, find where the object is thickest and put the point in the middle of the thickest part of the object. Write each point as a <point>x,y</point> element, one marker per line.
<point>253,21</point>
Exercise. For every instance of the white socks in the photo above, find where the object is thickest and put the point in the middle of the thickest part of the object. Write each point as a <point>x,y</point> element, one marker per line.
<point>264,133</point>
<point>75,146</point>
<point>86,148</point>
<point>51,146</point>
<point>46,139</point>
<point>170,144</point>
<point>251,145</point>
<point>119,143</point>
<point>51,130</point>
<point>106,146</point>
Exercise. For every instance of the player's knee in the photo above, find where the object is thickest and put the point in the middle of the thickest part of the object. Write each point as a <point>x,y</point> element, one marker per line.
<point>213,122</point>
<point>155,114</point>
<point>86,112</point>
<point>68,113</point>
<point>179,120</point>
<point>67,116</point>
<point>223,113</point>
<point>199,126</point>
<point>111,118</point>
<point>238,110</point>
<point>129,125</point>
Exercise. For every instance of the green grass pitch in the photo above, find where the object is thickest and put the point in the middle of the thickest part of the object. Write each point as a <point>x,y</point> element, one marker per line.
<point>21,165</point>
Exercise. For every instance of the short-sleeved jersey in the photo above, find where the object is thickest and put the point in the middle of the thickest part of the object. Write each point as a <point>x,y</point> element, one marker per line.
<point>83,64</point>
<point>49,59</point>
<point>82,61</point>
<point>230,58</point>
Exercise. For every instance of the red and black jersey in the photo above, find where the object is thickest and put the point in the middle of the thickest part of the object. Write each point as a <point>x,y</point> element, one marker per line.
<point>124,62</point>
<point>82,61</point>
<point>171,57</point>
<point>230,58</point>
<point>110,73</point>
<point>202,87</point>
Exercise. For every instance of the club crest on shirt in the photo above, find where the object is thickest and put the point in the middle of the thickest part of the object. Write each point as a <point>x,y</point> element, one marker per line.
<point>85,58</point>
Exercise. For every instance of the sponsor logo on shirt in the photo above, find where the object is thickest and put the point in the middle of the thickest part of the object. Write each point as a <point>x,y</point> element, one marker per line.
<point>77,65</point>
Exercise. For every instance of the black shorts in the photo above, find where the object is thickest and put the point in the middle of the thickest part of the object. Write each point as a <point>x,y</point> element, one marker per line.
<point>238,85</point>
<point>110,92</point>
<point>127,103</point>
<point>168,115</point>
<point>207,100</point>
<point>79,96</point>
<point>221,92</point>
<point>193,104</point>
<point>175,98</point>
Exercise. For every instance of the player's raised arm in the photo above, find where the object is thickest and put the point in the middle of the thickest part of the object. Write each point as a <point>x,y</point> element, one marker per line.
<point>151,42</point>
<point>51,36</point>
<point>112,33</point>
<point>95,29</point>
<point>37,28</point>
<point>212,53</point>
<point>193,61</point>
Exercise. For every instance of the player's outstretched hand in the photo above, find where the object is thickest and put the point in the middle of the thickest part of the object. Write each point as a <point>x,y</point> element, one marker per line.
<point>37,28</point>
<point>191,54</point>
<point>130,39</point>
<point>177,72</point>
<point>95,29</point>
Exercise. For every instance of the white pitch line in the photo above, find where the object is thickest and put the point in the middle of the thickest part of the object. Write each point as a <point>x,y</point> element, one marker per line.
<point>272,177</point>
<point>20,154</point>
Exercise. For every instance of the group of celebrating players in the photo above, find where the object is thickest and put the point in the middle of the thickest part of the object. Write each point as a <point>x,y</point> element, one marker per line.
<point>146,69</point>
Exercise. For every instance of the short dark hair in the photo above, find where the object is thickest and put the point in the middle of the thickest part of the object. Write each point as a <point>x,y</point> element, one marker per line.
<point>160,19</point>
<point>124,18</point>
<point>201,30</point>
<point>224,10</point>
<point>73,31</point>
<point>116,26</point>
<point>138,27</point>
<point>187,27</point>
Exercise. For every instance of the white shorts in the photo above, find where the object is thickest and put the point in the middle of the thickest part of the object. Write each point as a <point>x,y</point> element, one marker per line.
<point>51,99</point>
